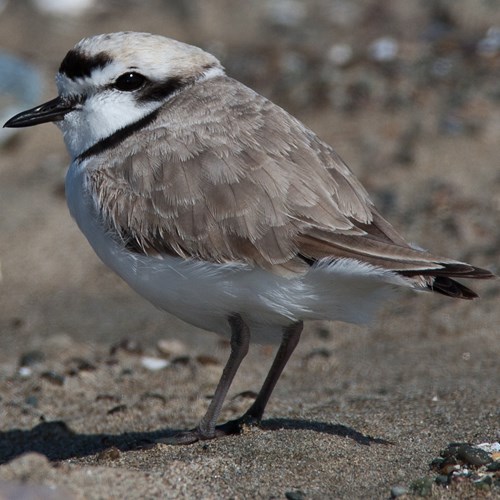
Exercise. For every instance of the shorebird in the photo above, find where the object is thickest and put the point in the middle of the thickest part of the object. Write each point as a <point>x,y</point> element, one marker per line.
<point>221,208</point>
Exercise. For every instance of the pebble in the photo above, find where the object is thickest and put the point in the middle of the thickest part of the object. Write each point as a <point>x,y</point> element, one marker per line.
<point>117,409</point>
<point>128,345</point>
<point>31,358</point>
<point>80,365</point>
<point>53,377</point>
<point>489,46</point>
<point>449,468</point>
<point>384,49</point>
<point>171,347</point>
<point>31,401</point>
<point>112,453</point>
<point>422,486</point>
<point>399,491</point>
<point>295,495</point>
<point>468,454</point>
<point>442,480</point>
<point>245,394</point>
<point>490,447</point>
<point>460,462</point>
<point>154,364</point>
<point>286,13</point>
<point>340,54</point>
<point>63,8</point>
<point>155,396</point>
<point>206,360</point>
<point>484,482</point>
<point>318,353</point>
<point>181,360</point>
<point>493,466</point>
<point>25,371</point>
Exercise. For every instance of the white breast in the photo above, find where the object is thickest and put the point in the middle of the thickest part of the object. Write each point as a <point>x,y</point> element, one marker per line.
<point>205,294</point>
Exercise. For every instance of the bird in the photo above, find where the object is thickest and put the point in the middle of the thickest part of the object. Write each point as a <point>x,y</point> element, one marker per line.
<point>219,207</point>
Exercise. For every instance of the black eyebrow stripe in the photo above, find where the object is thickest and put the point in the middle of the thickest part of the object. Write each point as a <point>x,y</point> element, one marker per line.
<point>78,65</point>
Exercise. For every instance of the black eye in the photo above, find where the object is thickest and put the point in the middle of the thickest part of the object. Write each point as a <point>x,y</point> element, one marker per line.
<point>129,82</point>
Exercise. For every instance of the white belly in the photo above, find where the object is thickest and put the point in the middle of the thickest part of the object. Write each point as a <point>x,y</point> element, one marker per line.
<point>205,294</point>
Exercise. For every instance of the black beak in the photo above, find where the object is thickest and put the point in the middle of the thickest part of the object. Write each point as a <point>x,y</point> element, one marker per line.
<point>51,111</point>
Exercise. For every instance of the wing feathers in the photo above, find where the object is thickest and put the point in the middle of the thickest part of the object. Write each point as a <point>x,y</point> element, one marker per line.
<point>224,175</point>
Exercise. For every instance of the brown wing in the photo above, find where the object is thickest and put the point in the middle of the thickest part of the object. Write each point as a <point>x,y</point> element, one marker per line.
<point>224,175</point>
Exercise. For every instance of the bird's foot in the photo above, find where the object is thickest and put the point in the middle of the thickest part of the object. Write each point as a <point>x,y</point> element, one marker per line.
<point>230,428</point>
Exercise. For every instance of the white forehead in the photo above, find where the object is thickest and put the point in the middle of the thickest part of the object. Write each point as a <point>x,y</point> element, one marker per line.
<point>154,56</point>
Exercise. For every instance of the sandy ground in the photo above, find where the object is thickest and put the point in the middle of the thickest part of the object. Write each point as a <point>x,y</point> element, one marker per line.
<point>358,411</point>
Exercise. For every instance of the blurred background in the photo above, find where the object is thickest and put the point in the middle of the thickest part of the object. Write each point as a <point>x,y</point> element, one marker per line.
<point>406,91</point>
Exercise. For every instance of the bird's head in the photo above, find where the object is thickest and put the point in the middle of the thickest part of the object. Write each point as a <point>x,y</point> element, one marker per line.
<point>110,81</point>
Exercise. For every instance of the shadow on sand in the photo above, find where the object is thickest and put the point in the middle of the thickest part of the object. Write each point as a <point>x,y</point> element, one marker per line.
<point>57,441</point>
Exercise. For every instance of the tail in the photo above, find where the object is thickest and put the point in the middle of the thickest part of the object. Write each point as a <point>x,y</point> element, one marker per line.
<point>440,280</point>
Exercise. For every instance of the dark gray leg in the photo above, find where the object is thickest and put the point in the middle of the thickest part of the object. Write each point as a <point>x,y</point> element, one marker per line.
<point>291,337</point>
<point>240,340</point>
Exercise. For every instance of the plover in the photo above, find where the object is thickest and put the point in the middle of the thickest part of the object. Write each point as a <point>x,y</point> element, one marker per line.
<point>219,207</point>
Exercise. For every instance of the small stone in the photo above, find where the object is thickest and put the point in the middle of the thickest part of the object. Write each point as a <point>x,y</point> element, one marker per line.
<point>384,49</point>
<point>117,409</point>
<point>112,453</point>
<point>154,364</point>
<point>181,360</point>
<point>483,483</point>
<point>246,394</point>
<point>206,360</point>
<point>171,347</point>
<point>422,486</point>
<point>318,353</point>
<point>340,54</point>
<point>295,495</point>
<point>25,371</point>
<point>31,358</point>
<point>128,345</point>
<point>81,365</point>
<point>31,401</point>
<point>493,448</point>
<point>399,491</point>
<point>53,377</point>
<point>437,463</point>
<point>107,397</point>
<point>442,480</point>
<point>324,333</point>
<point>473,456</point>
<point>451,450</point>
<point>493,466</point>
<point>449,468</point>
<point>155,396</point>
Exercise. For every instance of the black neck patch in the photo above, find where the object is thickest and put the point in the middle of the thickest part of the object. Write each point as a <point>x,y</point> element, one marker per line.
<point>119,136</point>
<point>78,65</point>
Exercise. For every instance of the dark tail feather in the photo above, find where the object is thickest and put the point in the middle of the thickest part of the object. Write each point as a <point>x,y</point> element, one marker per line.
<point>456,270</point>
<point>452,288</point>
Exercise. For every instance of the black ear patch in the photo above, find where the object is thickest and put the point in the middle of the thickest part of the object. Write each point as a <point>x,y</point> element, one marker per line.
<point>78,65</point>
<point>159,91</point>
